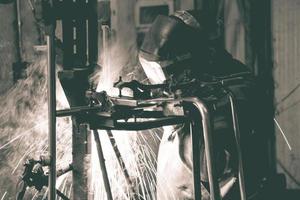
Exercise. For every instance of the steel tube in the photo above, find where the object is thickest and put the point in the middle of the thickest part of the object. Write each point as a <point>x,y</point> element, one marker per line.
<point>207,134</point>
<point>196,161</point>
<point>52,116</point>
<point>76,110</point>
<point>19,29</point>
<point>51,109</point>
<point>237,134</point>
<point>102,165</point>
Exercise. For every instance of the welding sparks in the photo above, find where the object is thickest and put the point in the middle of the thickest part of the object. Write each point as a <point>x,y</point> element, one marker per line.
<point>24,126</point>
<point>4,195</point>
<point>21,135</point>
<point>24,135</point>
<point>283,135</point>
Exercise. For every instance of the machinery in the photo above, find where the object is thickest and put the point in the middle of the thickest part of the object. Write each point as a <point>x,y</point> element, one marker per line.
<point>140,111</point>
<point>134,113</point>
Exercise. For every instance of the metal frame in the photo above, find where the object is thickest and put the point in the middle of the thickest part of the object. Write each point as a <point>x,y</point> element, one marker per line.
<point>207,134</point>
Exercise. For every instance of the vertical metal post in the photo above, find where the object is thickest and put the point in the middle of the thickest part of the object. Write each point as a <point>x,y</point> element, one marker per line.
<point>196,161</point>
<point>81,160</point>
<point>19,30</point>
<point>236,129</point>
<point>102,165</point>
<point>105,51</point>
<point>52,112</point>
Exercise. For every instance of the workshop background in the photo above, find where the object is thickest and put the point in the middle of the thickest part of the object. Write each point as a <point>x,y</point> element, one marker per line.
<point>238,25</point>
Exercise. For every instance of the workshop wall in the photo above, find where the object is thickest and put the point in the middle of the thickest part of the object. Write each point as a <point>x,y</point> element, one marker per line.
<point>286,42</point>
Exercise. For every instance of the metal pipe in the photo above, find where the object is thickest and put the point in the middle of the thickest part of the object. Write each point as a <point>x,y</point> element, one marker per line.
<point>76,110</point>
<point>102,165</point>
<point>237,134</point>
<point>51,117</point>
<point>19,30</point>
<point>62,195</point>
<point>105,51</point>
<point>196,161</point>
<point>120,161</point>
<point>64,170</point>
<point>207,134</point>
<point>51,111</point>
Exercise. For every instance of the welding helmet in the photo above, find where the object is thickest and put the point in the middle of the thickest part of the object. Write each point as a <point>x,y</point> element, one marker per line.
<point>174,44</point>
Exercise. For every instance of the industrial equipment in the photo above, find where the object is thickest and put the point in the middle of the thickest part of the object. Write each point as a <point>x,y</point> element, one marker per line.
<point>133,113</point>
<point>140,111</point>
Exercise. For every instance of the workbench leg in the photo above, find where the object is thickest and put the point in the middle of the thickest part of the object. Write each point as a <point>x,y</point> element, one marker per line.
<point>81,160</point>
<point>102,165</point>
<point>196,160</point>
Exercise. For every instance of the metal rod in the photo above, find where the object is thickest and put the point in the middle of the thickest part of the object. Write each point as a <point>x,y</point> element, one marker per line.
<point>120,161</point>
<point>105,51</point>
<point>51,117</point>
<point>62,195</point>
<point>76,110</point>
<point>102,165</point>
<point>207,134</point>
<point>196,161</point>
<point>237,134</point>
<point>62,171</point>
<point>52,111</point>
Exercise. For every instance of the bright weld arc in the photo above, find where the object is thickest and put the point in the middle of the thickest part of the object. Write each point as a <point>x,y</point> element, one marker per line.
<point>283,134</point>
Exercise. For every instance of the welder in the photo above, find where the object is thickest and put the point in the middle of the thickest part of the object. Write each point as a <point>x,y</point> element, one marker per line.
<point>182,47</point>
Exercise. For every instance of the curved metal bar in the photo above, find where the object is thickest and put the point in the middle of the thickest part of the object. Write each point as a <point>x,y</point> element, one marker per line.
<point>207,133</point>
<point>236,129</point>
<point>196,162</point>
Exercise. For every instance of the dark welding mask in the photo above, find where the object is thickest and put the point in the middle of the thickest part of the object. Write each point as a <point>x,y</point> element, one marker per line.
<point>169,45</point>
